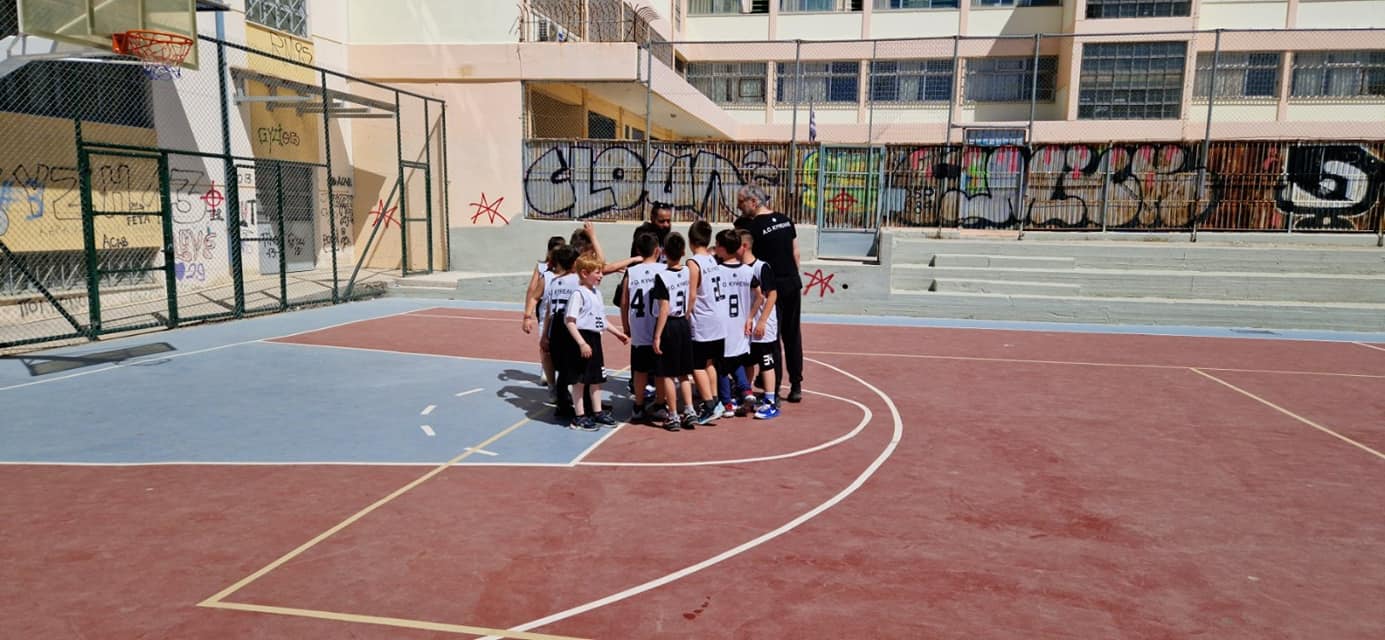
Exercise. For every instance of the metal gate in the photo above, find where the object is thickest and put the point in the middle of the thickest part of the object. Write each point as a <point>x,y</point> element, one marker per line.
<point>416,194</point>
<point>849,181</point>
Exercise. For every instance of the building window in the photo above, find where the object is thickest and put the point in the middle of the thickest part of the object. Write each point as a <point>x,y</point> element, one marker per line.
<point>799,6</point>
<point>1017,3</point>
<point>911,80</point>
<point>1138,8</point>
<point>1140,80</point>
<point>631,133</point>
<point>600,127</point>
<point>1009,79</point>
<point>1239,75</point>
<point>721,7</point>
<point>729,83</point>
<point>887,5</point>
<point>821,82</point>
<point>289,16</point>
<point>1337,74</point>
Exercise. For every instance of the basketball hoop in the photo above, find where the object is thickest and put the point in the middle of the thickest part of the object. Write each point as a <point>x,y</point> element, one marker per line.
<point>160,53</point>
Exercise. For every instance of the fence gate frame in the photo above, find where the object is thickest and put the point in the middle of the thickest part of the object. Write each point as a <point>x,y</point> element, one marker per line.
<point>164,215</point>
<point>405,237</point>
<point>868,213</point>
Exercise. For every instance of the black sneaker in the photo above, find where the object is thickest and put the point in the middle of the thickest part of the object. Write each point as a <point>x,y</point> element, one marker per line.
<point>709,414</point>
<point>795,393</point>
<point>604,419</point>
<point>637,414</point>
<point>689,418</point>
<point>584,423</point>
<point>674,423</point>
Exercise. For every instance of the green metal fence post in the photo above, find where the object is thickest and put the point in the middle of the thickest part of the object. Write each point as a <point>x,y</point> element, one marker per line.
<point>427,184</point>
<point>232,188</point>
<point>280,240</point>
<point>331,200</point>
<point>166,223</point>
<point>89,240</point>
<point>403,200</point>
<point>446,181</point>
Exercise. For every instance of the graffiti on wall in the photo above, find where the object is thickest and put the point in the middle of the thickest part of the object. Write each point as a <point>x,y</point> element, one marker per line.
<point>582,181</point>
<point>1246,185</point>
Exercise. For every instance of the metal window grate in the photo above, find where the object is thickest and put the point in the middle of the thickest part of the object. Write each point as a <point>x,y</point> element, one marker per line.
<point>289,16</point>
<point>1339,74</point>
<point>1239,75</point>
<point>1138,8</point>
<point>890,5</point>
<point>1123,80</point>
<point>821,82</point>
<point>1009,79</point>
<point>1016,3</point>
<point>803,6</point>
<point>907,81</point>
<point>729,83</point>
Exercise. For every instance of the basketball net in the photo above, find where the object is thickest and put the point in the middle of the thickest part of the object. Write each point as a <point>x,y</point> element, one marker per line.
<point>160,53</point>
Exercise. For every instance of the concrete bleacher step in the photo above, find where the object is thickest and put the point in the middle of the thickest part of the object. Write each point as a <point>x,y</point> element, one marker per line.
<point>1000,261</point>
<point>1136,311</point>
<point>1203,256</point>
<point>974,285</point>
<point>1229,285</point>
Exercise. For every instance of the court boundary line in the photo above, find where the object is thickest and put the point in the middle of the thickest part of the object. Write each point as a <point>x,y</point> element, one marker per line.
<point>1368,346</point>
<point>867,416</point>
<point>1289,413</point>
<point>1131,365</point>
<point>405,623</point>
<point>402,353</point>
<point>167,356</point>
<point>321,463</point>
<point>857,483</point>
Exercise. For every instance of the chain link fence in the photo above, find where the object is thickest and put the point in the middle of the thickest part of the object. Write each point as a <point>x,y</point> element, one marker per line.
<point>1153,131</point>
<point>134,197</point>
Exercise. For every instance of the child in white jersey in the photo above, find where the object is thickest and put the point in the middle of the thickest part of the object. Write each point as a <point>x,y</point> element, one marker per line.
<point>764,335</point>
<point>708,328</point>
<point>639,317</point>
<point>673,335</point>
<point>533,303</point>
<point>737,287</point>
<point>555,339</point>
<point>586,319</point>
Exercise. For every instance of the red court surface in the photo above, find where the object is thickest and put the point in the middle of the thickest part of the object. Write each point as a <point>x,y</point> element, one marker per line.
<point>1033,485</point>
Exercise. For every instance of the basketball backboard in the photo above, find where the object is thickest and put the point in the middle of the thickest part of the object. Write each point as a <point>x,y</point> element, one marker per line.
<point>90,23</point>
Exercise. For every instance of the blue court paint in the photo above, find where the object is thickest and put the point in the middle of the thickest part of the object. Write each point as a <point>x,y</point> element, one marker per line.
<point>266,402</point>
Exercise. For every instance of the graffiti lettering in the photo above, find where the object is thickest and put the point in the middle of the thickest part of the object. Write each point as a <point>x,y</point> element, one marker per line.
<point>1327,186</point>
<point>579,182</point>
<point>290,48</point>
<point>194,245</point>
<point>277,135</point>
<point>489,209</point>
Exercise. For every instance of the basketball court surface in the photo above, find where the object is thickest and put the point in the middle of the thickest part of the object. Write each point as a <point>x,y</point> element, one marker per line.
<point>389,469</point>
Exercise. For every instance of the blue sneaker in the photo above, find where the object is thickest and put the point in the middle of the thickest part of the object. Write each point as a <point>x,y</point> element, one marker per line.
<point>766,412</point>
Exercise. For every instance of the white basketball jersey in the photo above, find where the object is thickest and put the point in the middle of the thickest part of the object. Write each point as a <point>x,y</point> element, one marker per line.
<point>586,307</point>
<point>737,284</point>
<point>771,325</point>
<point>639,284</point>
<point>557,294</point>
<point>672,286</point>
<point>707,323</point>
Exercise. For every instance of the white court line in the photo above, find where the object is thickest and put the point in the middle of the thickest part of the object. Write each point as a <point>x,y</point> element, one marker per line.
<point>482,451</point>
<point>751,544</point>
<point>866,418</point>
<point>167,356</point>
<point>428,409</point>
<point>450,317</point>
<point>1133,365</point>
<point>470,391</point>
<point>215,463</point>
<point>428,430</point>
<point>1289,413</point>
<point>405,353</point>
<point>578,460</point>
<point>1369,346</point>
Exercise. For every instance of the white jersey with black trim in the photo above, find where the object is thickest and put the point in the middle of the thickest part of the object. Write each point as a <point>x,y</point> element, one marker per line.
<point>737,285</point>
<point>707,323</point>
<point>639,283</point>
<point>772,324</point>
<point>557,294</point>
<point>671,286</point>
<point>586,308</point>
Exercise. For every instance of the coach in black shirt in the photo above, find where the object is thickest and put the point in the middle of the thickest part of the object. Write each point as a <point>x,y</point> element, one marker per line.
<point>776,242</point>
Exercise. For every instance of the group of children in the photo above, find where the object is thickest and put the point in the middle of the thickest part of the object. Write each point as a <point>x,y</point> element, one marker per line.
<point>705,320</point>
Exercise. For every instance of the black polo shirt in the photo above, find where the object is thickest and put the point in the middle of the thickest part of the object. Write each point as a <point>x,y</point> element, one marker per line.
<point>774,235</point>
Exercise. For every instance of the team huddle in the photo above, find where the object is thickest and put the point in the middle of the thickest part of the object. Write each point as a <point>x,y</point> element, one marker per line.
<point>699,315</point>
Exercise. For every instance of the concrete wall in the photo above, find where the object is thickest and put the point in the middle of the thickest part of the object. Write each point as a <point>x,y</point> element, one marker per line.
<point>429,21</point>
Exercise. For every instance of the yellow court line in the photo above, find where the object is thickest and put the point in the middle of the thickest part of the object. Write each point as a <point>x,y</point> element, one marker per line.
<point>216,599</point>
<point>1289,413</point>
<point>384,621</point>
<point>1134,365</point>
